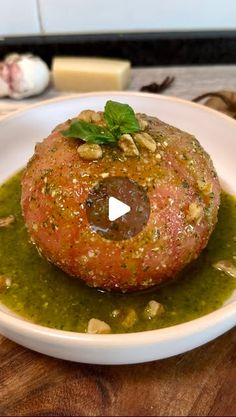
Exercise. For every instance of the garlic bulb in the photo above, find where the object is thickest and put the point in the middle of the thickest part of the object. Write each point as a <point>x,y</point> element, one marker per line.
<point>4,84</point>
<point>23,76</point>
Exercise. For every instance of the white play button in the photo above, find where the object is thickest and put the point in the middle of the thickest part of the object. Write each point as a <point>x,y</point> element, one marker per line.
<point>117,209</point>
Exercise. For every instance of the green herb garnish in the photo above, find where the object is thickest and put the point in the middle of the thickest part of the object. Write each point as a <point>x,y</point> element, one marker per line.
<point>89,132</point>
<point>120,119</point>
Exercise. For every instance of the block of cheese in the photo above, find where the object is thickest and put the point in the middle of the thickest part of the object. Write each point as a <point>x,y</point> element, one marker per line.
<point>80,74</point>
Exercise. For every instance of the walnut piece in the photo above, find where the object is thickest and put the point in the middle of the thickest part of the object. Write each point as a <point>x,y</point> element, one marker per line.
<point>90,151</point>
<point>126,143</point>
<point>91,116</point>
<point>204,187</point>
<point>195,213</point>
<point>143,124</point>
<point>6,221</point>
<point>86,115</point>
<point>145,141</point>
<point>153,309</point>
<point>96,326</point>
<point>227,267</point>
<point>130,318</point>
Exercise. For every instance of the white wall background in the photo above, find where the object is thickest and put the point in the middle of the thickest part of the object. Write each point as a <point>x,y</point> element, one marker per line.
<point>22,17</point>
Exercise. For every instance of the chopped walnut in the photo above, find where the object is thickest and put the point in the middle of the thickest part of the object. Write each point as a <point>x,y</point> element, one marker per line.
<point>227,267</point>
<point>6,221</point>
<point>130,318</point>
<point>126,143</point>
<point>195,213</point>
<point>96,326</point>
<point>96,117</point>
<point>91,116</point>
<point>143,124</point>
<point>90,151</point>
<point>86,115</point>
<point>145,141</point>
<point>204,187</point>
<point>153,309</point>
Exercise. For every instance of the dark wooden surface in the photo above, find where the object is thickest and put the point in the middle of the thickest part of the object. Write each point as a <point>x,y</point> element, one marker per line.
<point>199,383</point>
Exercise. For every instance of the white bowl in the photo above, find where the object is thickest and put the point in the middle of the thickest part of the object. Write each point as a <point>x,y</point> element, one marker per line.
<point>216,132</point>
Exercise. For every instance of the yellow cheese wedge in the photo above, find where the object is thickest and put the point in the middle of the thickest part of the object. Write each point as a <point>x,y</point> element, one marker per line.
<point>90,74</point>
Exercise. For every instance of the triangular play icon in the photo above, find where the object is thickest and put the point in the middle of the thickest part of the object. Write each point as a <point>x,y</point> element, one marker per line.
<point>117,209</point>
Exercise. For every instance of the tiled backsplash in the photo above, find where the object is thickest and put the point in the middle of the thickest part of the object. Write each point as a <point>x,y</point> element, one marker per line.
<point>18,17</point>
<point>33,17</point>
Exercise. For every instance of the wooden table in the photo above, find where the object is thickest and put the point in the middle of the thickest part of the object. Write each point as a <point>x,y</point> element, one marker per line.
<point>198,383</point>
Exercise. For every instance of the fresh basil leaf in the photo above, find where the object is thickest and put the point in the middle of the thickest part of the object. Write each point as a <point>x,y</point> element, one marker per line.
<point>89,132</point>
<point>120,118</point>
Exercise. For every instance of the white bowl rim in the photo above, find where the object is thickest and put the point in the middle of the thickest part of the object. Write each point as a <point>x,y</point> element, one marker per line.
<point>189,328</point>
<point>118,93</point>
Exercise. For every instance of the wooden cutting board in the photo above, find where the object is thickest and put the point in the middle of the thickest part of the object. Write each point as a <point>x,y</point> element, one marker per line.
<point>198,383</point>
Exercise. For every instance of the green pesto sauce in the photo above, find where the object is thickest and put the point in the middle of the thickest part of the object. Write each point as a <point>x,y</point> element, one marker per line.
<point>47,296</point>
